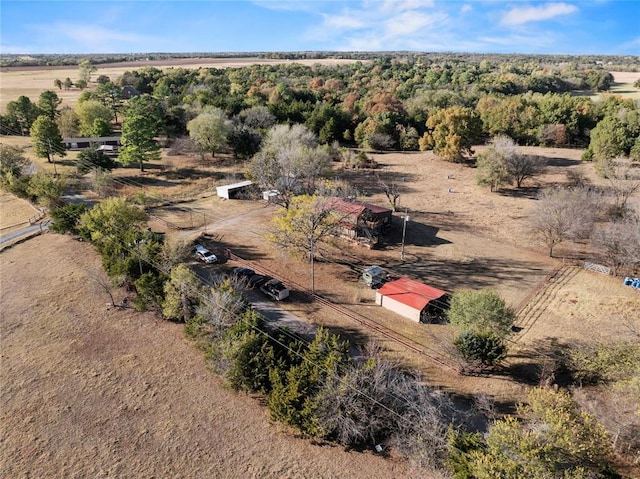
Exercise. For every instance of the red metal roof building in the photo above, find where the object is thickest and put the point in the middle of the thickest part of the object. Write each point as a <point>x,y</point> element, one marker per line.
<point>361,220</point>
<point>411,299</point>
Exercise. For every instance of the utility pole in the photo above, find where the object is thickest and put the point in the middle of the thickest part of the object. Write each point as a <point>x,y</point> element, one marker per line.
<point>405,218</point>
<point>53,158</point>
<point>313,275</point>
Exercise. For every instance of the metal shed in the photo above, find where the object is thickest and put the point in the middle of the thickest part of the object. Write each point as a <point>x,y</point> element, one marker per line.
<point>231,191</point>
<point>411,299</point>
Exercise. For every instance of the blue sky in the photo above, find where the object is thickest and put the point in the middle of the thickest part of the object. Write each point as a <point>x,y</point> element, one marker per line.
<point>484,26</point>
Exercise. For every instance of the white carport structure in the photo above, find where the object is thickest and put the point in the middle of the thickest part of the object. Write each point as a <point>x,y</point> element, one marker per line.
<point>230,191</point>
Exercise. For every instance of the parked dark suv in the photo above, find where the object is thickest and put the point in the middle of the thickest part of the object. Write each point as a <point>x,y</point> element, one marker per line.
<point>275,289</point>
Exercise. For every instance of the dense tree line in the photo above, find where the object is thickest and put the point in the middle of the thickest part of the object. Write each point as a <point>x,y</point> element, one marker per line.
<point>613,62</point>
<point>444,103</point>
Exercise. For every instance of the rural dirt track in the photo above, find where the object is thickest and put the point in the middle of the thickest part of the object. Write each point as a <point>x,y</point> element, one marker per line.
<point>538,304</point>
<point>91,392</point>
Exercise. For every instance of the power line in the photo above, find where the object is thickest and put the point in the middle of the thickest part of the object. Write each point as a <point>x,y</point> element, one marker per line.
<point>389,333</point>
<point>275,339</point>
<point>239,318</point>
<point>396,336</point>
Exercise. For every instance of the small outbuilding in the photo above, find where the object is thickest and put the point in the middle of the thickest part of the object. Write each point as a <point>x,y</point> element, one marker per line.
<point>362,222</point>
<point>232,191</point>
<point>374,276</point>
<point>129,92</point>
<point>413,300</point>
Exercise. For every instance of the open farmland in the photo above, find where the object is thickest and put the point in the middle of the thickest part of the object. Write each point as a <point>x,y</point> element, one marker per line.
<point>623,86</point>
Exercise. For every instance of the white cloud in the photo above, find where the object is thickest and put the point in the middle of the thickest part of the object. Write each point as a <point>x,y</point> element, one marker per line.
<point>409,23</point>
<point>343,22</point>
<point>381,25</point>
<point>95,38</point>
<point>16,49</point>
<point>466,8</point>
<point>514,43</point>
<point>289,5</point>
<point>629,48</point>
<point>405,5</point>
<point>520,15</point>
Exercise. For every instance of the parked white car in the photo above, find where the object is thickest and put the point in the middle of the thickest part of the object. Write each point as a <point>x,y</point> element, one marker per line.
<point>203,254</point>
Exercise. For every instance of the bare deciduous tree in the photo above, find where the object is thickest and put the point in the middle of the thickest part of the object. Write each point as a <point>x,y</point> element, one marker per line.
<point>174,252</point>
<point>102,281</point>
<point>520,167</point>
<point>562,214</point>
<point>221,308</point>
<point>619,243</point>
<point>258,117</point>
<point>391,191</point>
<point>421,434</point>
<point>577,179</point>
<point>501,163</point>
<point>376,401</point>
<point>359,407</point>
<point>289,162</point>
<point>624,181</point>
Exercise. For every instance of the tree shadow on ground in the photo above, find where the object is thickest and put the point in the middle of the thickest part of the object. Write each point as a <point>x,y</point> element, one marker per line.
<point>416,234</point>
<point>191,174</point>
<point>220,248</point>
<point>476,273</point>
<point>68,162</point>
<point>367,181</point>
<point>444,220</point>
<point>141,181</point>
<point>562,162</point>
<point>543,362</point>
<point>218,161</point>
<point>530,192</point>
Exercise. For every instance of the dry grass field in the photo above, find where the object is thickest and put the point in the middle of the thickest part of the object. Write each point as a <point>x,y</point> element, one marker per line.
<point>14,212</point>
<point>91,392</point>
<point>623,85</point>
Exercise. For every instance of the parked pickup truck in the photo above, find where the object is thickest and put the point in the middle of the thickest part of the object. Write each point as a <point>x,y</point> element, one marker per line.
<point>275,289</point>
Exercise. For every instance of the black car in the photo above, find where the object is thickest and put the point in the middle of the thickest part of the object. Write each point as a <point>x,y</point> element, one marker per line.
<point>258,280</point>
<point>275,289</point>
<point>241,272</point>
